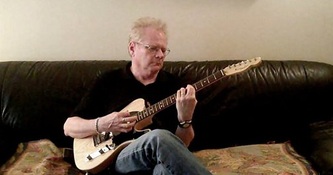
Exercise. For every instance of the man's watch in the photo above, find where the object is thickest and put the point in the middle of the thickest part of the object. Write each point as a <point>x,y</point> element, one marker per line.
<point>185,124</point>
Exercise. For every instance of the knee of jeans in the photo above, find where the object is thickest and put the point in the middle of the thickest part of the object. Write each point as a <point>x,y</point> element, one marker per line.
<point>163,135</point>
<point>160,133</point>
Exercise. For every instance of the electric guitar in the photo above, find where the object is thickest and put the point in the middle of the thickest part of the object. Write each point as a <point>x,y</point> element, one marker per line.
<point>95,153</point>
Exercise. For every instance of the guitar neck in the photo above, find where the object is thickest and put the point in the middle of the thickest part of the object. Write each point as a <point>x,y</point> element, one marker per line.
<point>169,101</point>
<point>229,70</point>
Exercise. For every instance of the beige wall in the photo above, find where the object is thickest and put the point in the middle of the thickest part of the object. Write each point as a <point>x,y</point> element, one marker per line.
<point>199,29</point>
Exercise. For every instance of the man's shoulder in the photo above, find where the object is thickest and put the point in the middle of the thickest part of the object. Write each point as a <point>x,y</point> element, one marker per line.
<point>113,73</point>
<point>168,77</point>
<point>167,74</point>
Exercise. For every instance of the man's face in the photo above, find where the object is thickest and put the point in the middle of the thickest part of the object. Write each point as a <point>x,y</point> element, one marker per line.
<point>149,53</point>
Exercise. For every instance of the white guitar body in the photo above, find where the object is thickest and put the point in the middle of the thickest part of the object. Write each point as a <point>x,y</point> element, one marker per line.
<point>85,146</point>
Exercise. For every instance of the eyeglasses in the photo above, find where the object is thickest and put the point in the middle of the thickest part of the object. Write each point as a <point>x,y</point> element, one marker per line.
<point>155,49</point>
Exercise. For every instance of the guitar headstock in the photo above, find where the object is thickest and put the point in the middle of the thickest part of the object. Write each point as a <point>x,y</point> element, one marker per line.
<point>242,66</point>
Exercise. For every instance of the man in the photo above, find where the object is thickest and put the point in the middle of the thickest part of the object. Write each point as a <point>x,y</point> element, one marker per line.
<point>163,150</point>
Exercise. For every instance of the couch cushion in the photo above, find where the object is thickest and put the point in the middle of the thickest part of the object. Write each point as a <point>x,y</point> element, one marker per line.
<point>316,145</point>
<point>322,136</point>
<point>255,159</point>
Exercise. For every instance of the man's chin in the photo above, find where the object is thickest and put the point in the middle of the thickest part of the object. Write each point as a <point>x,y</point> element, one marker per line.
<point>158,65</point>
<point>156,68</point>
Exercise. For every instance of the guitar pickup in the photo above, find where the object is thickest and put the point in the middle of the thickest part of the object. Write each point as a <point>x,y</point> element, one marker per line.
<point>100,152</point>
<point>99,138</point>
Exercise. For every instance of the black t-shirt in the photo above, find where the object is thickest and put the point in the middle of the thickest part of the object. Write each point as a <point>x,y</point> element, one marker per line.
<point>114,90</point>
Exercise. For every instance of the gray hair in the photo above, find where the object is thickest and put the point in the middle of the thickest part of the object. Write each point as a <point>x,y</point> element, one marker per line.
<point>144,22</point>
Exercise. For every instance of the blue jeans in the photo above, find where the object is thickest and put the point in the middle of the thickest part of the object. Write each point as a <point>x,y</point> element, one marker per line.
<point>158,152</point>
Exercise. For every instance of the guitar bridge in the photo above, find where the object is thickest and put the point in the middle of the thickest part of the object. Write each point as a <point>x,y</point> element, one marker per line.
<point>100,151</point>
<point>100,138</point>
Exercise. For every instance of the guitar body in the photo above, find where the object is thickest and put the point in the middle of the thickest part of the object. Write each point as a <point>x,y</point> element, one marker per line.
<point>85,146</point>
<point>101,156</point>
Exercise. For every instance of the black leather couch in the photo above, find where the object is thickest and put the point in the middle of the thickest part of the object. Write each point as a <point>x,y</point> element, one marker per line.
<point>276,101</point>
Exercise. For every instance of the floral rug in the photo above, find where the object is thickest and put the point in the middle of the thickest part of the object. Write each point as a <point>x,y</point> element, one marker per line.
<point>43,157</point>
<point>39,157</point>
<point>277,159</point>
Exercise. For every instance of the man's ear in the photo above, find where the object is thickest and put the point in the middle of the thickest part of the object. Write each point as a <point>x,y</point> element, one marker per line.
<point>131,46</point>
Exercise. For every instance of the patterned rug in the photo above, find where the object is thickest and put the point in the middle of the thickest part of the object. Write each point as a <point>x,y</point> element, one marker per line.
<point>39,157</point>
<point>43,157</point>
<point>277,159</point>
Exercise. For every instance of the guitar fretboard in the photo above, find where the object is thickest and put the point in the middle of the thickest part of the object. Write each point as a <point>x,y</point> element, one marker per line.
<point>163,104</point>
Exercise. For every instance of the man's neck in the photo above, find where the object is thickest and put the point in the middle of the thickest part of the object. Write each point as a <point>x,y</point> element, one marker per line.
<point>144,77</point>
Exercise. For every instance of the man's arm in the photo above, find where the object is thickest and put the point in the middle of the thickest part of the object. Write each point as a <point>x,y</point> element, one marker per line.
<point>185,134</point>
<point>185,103</point>
<point>77,127</point>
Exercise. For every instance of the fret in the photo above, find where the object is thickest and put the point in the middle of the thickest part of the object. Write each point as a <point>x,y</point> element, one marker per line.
<point>140,117</point>
<point>160,105</point>
<point>151,110</point>
<point>195,86</point>
<point>155,106</point>
<point>222,74</point>
<point>206,81</point>
<point>145,112</point>
<point>173,99</point>
<point>198,86</point>
<point>214,76</point>
<point>167,102</point>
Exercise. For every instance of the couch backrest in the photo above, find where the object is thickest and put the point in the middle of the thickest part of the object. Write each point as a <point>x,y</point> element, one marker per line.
<point>271,102</point>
